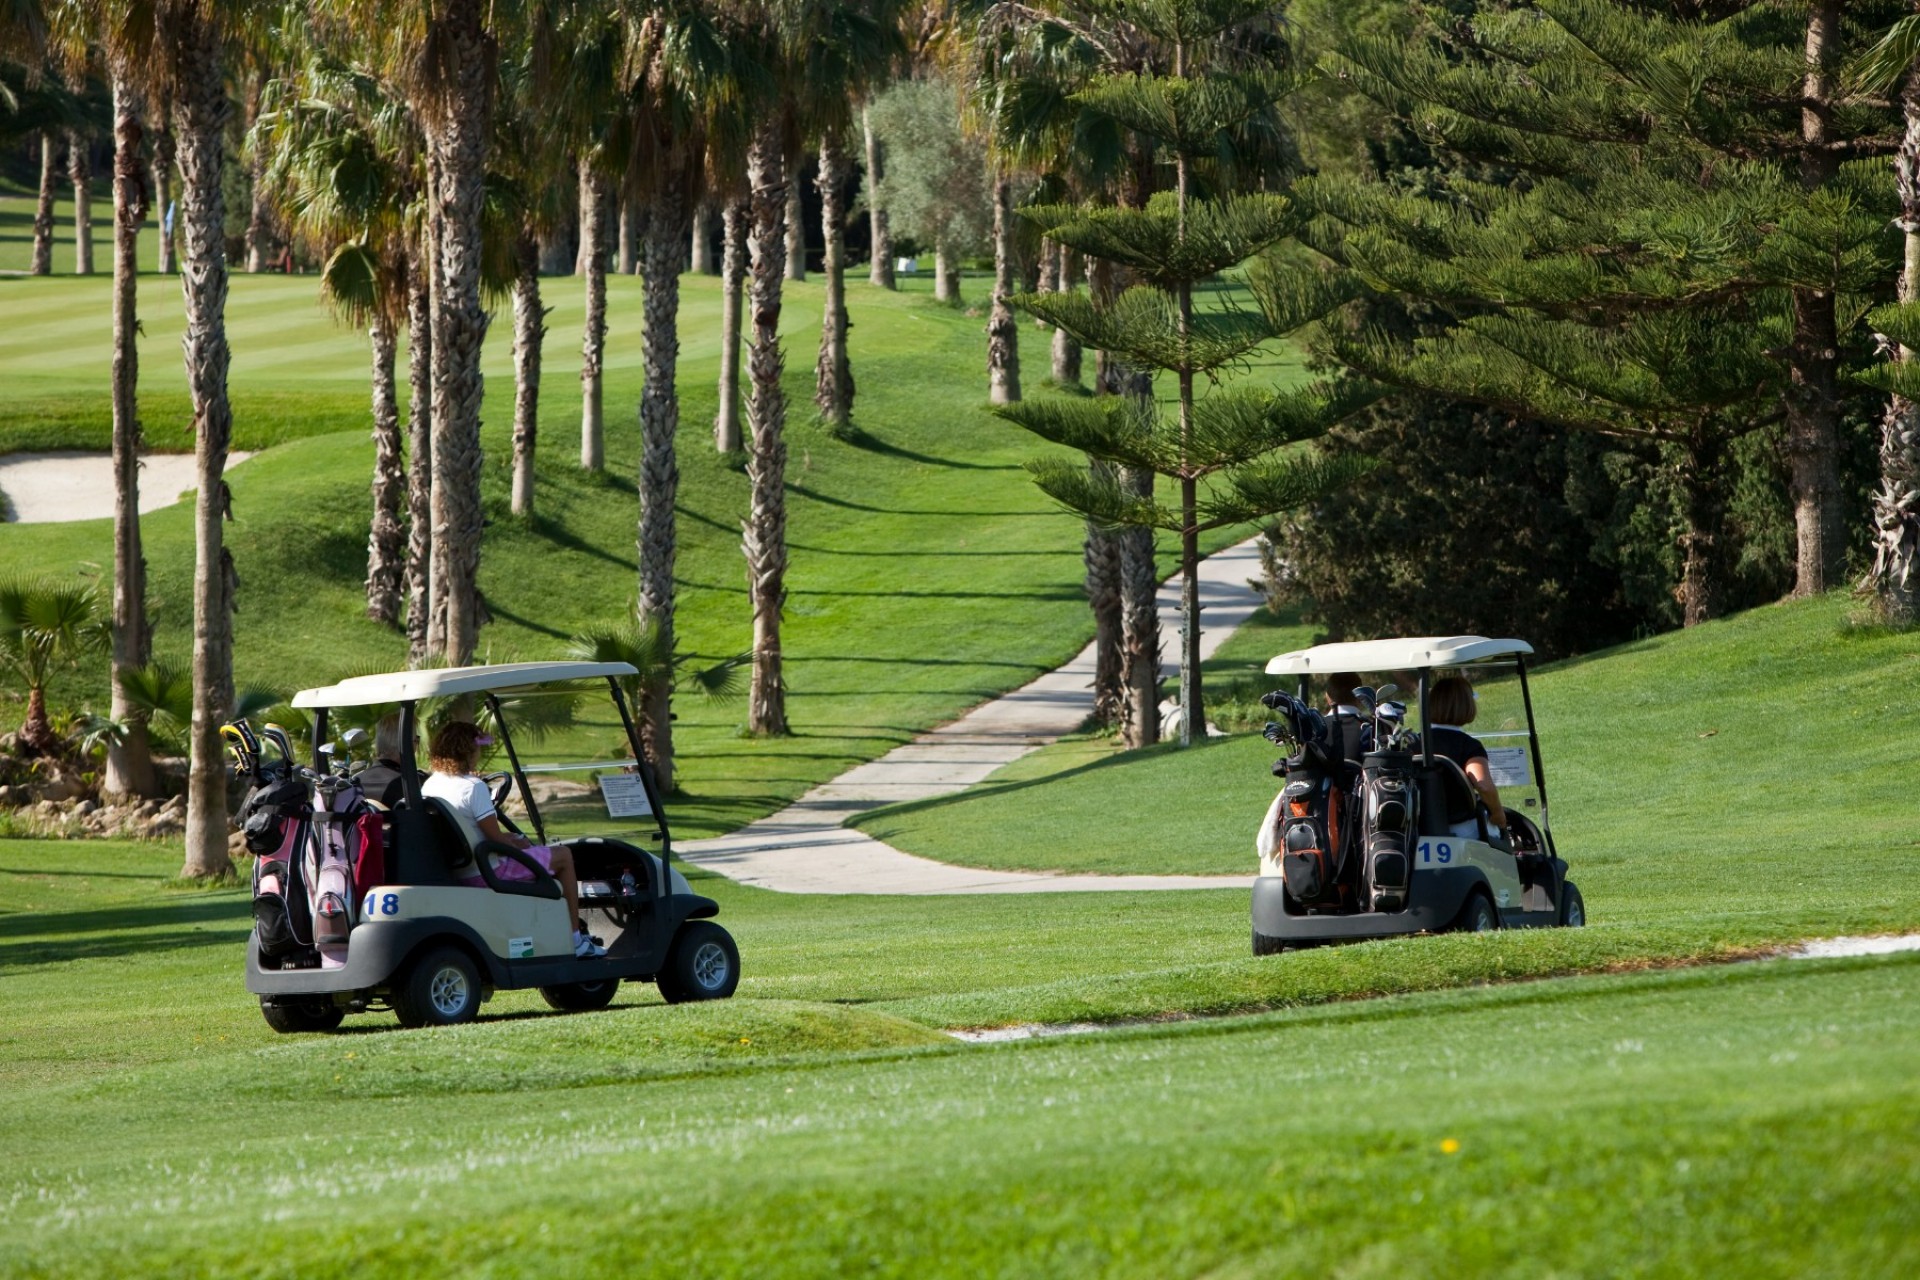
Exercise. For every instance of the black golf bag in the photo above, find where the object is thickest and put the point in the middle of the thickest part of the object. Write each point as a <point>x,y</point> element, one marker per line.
<point>1311,822</point>
<point>1389,804</point>
<point>274,820</point>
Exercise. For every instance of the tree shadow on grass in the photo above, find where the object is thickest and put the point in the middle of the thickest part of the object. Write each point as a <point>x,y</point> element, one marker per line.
<point>827,500</point>
<point>109,946</point>
<point>868,443</point>
<point>161,910</point>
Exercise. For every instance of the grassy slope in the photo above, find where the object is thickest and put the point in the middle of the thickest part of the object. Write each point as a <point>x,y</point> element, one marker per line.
<point>1668,1124</point>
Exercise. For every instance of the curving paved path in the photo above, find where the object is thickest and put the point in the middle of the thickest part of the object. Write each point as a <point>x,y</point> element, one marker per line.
<point>805,848</point>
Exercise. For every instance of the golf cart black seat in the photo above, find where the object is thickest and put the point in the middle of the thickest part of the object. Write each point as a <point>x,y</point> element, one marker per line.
<point>462,850</point>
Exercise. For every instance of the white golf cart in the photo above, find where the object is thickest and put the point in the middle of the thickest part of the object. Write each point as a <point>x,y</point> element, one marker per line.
<point>1366,841</point>
<point>433,949</point>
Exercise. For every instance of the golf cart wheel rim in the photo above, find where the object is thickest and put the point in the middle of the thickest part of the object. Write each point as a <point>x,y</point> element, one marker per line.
<point>449,991</point>
<point>710,966</point>
<point>1577,914</point>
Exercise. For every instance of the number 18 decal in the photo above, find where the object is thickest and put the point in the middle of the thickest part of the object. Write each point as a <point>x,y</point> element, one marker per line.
<point>381,904</point>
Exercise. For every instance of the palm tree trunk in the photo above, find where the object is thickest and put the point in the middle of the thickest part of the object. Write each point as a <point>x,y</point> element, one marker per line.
<point>659,485</point>
<point>36,736</point>
<point>163,182</point>
<point>529,331</point>
<point>81,172</point>
<point>629,255</point>
<point>765,529</point>
<point>1066,350</point>
<point>419,450</point>
<point>260,209</point>
<point>1812,401</point>
<point>201,109</point>
<point>456,128</point>
<point>700,254</point>
<point>1896,503</point>
<point>833,375</point>
<point>796,228</point>
<point>42,262</point>
<point>129,761</point>
<point>880,270</point>
<point>1048,278</point>
<point>1003,330</point>
<point>593,343</point>
<point>946,275</point>
<point>733,271</point>
<point>387,539</point>
<point>1101,555</point>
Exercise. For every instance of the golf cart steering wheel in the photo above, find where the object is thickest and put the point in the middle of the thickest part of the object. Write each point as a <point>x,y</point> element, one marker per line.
<point>500,787</point>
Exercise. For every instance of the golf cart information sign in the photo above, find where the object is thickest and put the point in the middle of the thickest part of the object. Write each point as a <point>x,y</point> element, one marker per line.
<point>625,795</point>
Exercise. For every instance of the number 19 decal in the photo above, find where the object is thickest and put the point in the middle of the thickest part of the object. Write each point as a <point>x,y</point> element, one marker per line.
<point>1434,853</point>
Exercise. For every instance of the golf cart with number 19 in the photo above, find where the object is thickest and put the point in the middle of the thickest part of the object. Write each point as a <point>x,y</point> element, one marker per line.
<point>1374,833</point>
<point>417,940</point>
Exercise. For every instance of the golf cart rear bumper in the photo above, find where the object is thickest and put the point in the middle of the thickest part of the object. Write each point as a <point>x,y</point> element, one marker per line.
<point>1437,897</point>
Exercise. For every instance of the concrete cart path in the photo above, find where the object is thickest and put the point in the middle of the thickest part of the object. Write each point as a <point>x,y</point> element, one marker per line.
<point>805,848</point>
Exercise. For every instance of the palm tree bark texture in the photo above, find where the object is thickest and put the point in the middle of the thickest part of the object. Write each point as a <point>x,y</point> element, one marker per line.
<point>1895,576</point>
<point>260,237</point>
<point>796,265</point>
<point>80,172</point>
<point>733,272</point>
<point>880,269</point>
<point>387,539</point>
<point>529,331</point>
<point>1066,350</point>
<point>163,184</point>
<point>1102,558</point>
<point>419,449</point>
<point>659,483</point>
<point>1812,402</point>
<point>201,109</point>
<point>129,769</point>
<point>593,341</point>
<point>456,120</point>
<point>765,528</point>
<point>1003,330</point>
<point>42,261</point>
<point>833,373</point>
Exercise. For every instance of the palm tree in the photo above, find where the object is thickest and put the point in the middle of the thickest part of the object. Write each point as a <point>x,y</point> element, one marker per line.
<point>80,173</point>
<point>880,263</point>
<point>735,214</point>
<point>42,261</point>
<point>595,196</point>
<point>42,624</point>
<point>187,56</point>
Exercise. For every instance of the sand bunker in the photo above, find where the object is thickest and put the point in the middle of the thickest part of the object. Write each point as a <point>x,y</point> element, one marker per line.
<point>42,488</point>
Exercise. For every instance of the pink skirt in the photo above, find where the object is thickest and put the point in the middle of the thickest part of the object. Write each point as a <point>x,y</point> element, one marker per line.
<point>513,868</point>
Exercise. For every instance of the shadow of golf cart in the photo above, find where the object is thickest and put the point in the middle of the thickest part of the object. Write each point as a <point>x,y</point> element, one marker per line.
<point>416,939</point>
<point>1374,834</point>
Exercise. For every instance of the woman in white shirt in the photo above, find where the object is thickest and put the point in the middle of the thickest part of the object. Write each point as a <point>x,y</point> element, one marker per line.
<point>453,752</point>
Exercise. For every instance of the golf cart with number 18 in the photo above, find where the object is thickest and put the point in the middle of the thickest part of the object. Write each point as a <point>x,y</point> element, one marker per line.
<point>413,937</point>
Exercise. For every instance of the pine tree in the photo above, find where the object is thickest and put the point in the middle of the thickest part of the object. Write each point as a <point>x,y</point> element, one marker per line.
<point>1230,439</point>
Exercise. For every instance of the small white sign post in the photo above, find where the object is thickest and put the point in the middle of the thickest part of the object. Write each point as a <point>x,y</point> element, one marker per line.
<point>625,795</point>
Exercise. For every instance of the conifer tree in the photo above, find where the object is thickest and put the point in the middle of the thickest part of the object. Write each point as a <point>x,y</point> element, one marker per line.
<point>1229,439</point>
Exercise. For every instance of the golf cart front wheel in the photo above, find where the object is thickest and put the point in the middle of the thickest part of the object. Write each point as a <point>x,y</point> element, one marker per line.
<point>703,964</point>
<point>581,997</point>
<point>1573,908</point>
<point>293,1017</point>
<point>440,989</point>
<point>1476,915</point>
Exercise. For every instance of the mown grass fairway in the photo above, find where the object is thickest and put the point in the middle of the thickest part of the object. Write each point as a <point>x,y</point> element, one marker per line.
<point>1756,1120</point>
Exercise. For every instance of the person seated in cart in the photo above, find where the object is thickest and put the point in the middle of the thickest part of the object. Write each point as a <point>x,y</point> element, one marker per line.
<point>454,750</point>
<point>1353,731</point>
<point>1452,705</point>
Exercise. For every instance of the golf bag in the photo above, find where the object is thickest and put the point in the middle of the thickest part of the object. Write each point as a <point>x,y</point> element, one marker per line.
<point>1307,826</point>
<point>346,848</point>
<point>273,821</point>
<point>1389,799</point>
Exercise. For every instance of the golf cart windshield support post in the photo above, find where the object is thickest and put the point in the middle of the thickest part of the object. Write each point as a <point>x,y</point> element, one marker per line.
<point>645,771</point>
<point>1300,688</point>
<point>1533,744</point>
<point>520,779</point>
<point>410,774</point>
<point>319,737</point>
<point>1426,723</point>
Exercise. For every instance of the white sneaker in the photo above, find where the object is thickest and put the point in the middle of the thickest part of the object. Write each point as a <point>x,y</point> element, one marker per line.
<point>585,948</point>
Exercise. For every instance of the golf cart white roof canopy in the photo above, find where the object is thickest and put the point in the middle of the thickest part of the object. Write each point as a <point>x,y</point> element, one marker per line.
<point>410,686</point>
<point>1410,654</point>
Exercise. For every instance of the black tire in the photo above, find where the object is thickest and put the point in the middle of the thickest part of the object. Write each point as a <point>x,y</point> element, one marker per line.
<point>1573,907</point>
<point>293,1018</point>
<point>581,997</point>
<point>440,989</point>
<point>702,964</point>
<point>1476,915</point>
<point>1264,945</point>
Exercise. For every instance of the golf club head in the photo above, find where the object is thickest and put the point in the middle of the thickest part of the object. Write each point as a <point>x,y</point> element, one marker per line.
<point>1392,712</point>
<point>281,743</point>
<point>1275,700</point>
<point>1363,697</point>
<point>352,739</point>
<point>1382,692</point>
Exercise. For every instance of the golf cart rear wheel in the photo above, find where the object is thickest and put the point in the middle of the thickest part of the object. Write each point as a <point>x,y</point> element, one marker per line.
<point>581,997</point>
<point>1476,915</point>
<point>703,964</point>
<point>440,989</point>
<point>293,1017</point>
<point>1264,945</point>
<point>1573,907</point>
